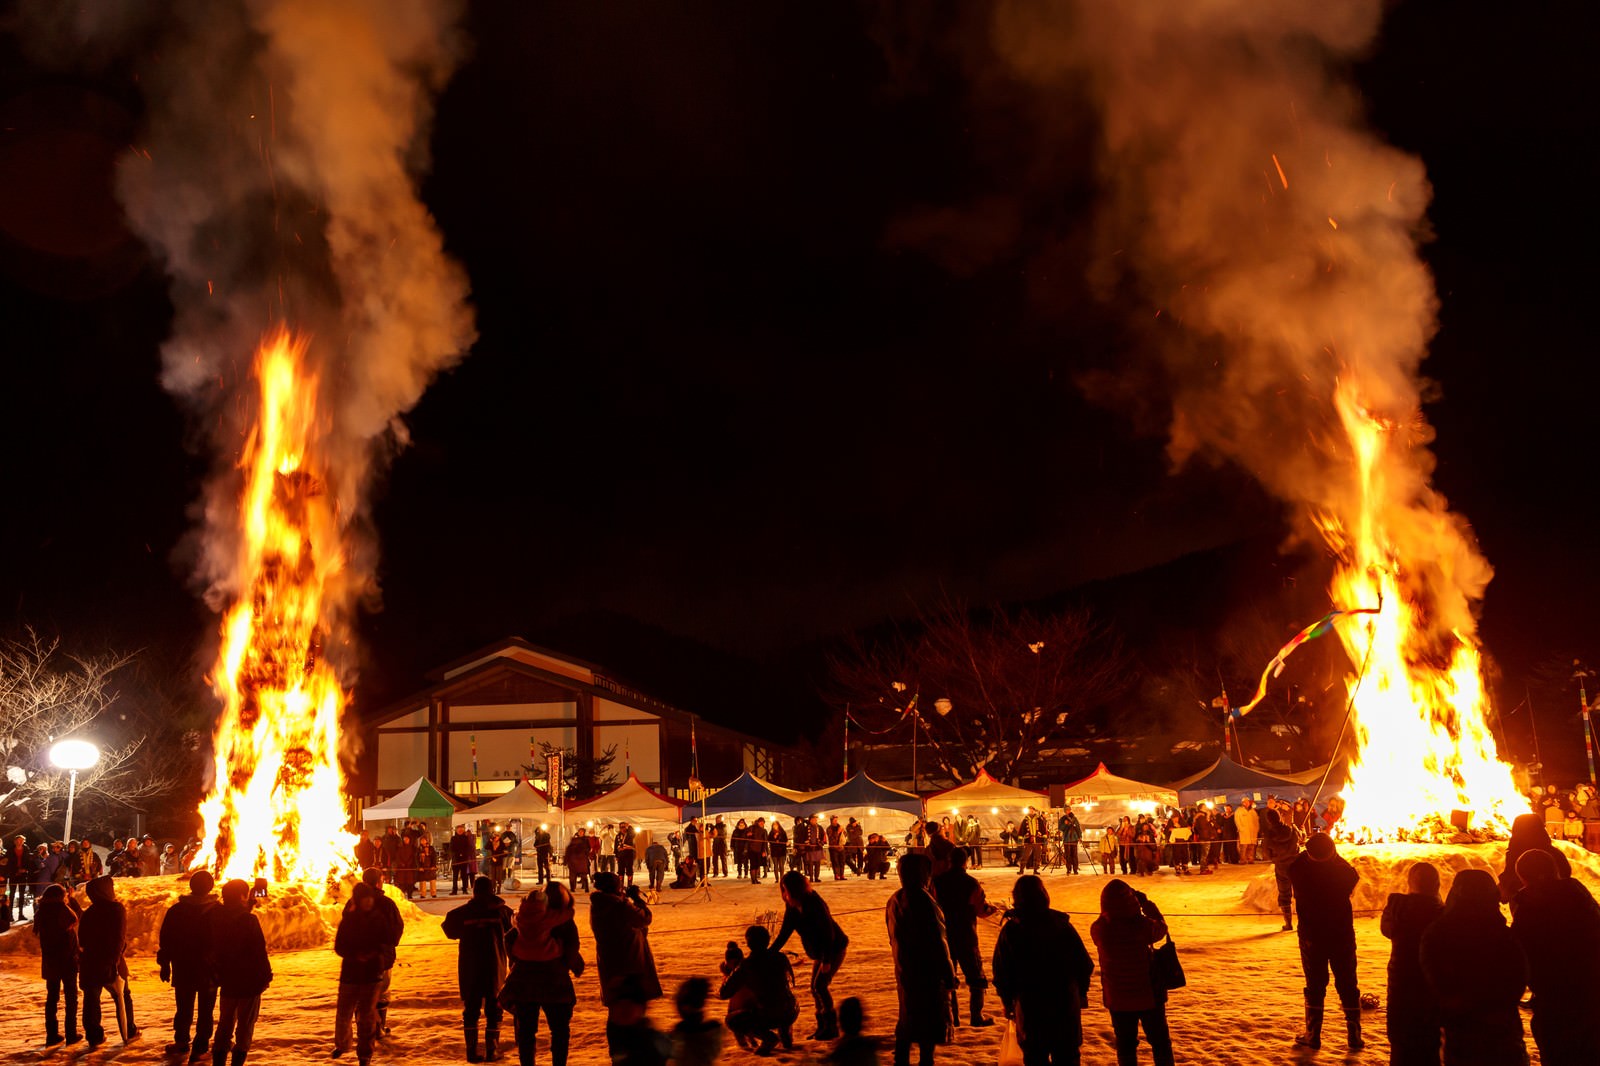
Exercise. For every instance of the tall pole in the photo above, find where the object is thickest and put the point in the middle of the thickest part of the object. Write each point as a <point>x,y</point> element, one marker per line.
<point>846,776</point>
<point>1588,727</point>
<point>916,720</point>
<point>72,788</point>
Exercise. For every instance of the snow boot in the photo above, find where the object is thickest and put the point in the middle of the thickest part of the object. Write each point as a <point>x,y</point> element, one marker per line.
<point>1312,1037</point>
<point>975,1009</point>
<point>491,1044</point>
<point>1288,918</point>
<point>1352,1029</point>
<point>470,1032</point>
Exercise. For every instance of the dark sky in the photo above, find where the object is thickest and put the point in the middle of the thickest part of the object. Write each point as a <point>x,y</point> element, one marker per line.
<point>722,386</point>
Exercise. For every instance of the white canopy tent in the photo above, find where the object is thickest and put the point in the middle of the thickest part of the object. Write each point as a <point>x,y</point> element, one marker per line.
<point>630,802</point>
<point>524,801</point>
<point>994,802</point>
<point>1103,798</point>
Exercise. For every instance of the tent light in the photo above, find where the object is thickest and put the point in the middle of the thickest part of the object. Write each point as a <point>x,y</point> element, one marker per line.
<point>994,810</point>
<point>872,812</point>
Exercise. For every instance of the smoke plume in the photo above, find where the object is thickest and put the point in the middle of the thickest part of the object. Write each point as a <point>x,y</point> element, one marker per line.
<point>277,178</point>
<point>1271,242</point>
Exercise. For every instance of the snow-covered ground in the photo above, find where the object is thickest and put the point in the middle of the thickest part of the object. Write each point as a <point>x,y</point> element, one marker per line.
<point>1242,1005</point>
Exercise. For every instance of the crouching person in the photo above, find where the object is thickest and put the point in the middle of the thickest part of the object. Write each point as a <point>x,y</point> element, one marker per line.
<point>762,1008</point>
<point>481,925</point>
<point>544,956</point>
<point>239,951</point>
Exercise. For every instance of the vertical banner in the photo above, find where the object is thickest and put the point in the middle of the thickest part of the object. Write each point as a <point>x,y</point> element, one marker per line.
<point>552,777</point>
<point>474,738</point>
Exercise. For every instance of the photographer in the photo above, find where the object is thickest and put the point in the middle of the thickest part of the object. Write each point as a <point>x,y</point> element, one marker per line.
<point>243,973</point>
<point>621,927</point>
<point>1128,924</point>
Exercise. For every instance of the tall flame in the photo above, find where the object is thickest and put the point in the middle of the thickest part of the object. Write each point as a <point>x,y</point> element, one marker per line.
<point>276,807</point>
<point>1423,745</point>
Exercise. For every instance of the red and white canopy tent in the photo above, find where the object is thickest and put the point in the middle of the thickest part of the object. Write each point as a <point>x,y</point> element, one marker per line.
<point>994,802</point>
<point>1103,798</point>
<point>630,802</point>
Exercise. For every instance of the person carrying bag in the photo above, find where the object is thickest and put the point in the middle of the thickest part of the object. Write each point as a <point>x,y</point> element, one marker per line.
<point>1134,979</point>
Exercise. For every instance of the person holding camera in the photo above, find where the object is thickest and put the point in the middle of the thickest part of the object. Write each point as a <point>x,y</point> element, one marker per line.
<point>1128,924</point>
<point>243,973</point>
<point>620,922</point>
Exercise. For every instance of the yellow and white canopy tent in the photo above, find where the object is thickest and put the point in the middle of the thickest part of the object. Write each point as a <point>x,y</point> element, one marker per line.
<point>523,801</point>
<point>630,802</point>
<point>1103,798</point>
<point>994,802</point>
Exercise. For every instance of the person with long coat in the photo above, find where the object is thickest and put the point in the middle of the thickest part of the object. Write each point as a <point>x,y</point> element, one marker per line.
<point>362,943</point>
<point>1128,924</point>
<point>1412,1013</point>
<point>806,912</point>
<point>184,957</point>
<point>576,857</point>
<point>1323,882</point>
<point>1478,971</point>
<point>243,972</point>
<point>481,925</point>
<point>103,937</point>
<point>55,923</point>
<point>923,972</point>
<point>1528,833</point>
<point>621,927</point>
<point>1041,971</point>
<point>1281,846</point>
<point>1557,922</point>
<point>544,959</point>
<point>962,900</point>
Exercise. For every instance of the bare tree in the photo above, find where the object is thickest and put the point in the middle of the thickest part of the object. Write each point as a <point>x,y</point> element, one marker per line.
<point>47,695</point>
<point>993,689</point>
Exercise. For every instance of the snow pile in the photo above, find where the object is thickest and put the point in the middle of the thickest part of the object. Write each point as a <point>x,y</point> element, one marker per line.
<point>292,916</point>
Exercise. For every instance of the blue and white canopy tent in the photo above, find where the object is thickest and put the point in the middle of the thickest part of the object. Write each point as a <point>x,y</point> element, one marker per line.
<point>1225,781</point>
<point>879,808</point>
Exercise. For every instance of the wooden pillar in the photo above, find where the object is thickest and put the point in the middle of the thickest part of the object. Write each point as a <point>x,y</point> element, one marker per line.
<point>433,740</point>
<point>443,733</point>
<point>583,742</point>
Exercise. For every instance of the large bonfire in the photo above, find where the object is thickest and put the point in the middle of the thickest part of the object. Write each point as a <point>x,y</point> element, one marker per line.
<point>1425,763</point>
<point>276,807</point>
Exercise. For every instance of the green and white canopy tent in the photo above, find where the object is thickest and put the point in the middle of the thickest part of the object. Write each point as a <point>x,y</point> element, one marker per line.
<point>420,799</point>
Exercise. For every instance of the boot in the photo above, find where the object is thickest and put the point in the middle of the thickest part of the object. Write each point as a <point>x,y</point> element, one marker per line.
<point>975,1009</point>
<point>955,1011</point>
<point>1312,1037</point>
<point>491,1044</point>
<point>1352,1029</point>
<point>469,1030</point>
<point>1288,918</point>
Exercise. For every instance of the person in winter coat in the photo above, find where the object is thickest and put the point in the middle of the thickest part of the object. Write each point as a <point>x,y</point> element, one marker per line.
<point>962,900</point>
<point>1528,833</point>
<point>1557,923</point>
<point>1248,822</point>
<point>1477,970</point>
<point>1128,924</point>
<point>577,857</point>
<point>855,842</point>
<point>1412,1014</point>
<point>760,992</point>
<point>363,945</point>
<point>544,959</point>
<point>388,915</point>
<point>461,851</point>
<point>1323,882</point>
<point>481,925</point>
<point>806,912</point>
<point>655,860</point>
<point>696,1039</point>
<point>184,957</point>
<point>239,953</point>
<point>756,851</point>
<point>1041,971</point>
<point>877,856</point>
<point>1071,837</point>
<point>1280,845</point>
<point>621,927</point>
<point>719,849</point>
<point>923,972</point>
<point>103,937</point>
<point>541,853</point>
<point>778,847</point>
<point>55,923</point>
<point>1204,842</point>
<point>427,869</point>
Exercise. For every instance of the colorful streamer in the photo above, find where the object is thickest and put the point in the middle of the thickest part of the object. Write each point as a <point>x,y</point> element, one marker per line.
<point>1310,632</point>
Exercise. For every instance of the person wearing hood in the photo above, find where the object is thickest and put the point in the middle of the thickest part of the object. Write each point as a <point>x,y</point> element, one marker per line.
<point>55,923</point>
<point>184,957</point>
<point>1041,971</point>
<point>481,925</point>
<point>103,937</point>
<point>1281,846</point>
<point>923,973</point>
<point>239,956</point>
<point>544,959</point>
<point>365,951</point>
<point>1528,833</point>
<point>394,926</point>
<point>1128,924</point>
<point>1412,1013</point>
<point>621,927</point>
<point>1323,883</point>
<point>1557,923</point>
<point>1478,971</point>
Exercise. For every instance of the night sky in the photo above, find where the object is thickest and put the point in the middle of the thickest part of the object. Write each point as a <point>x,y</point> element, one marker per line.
<point>735,377</point>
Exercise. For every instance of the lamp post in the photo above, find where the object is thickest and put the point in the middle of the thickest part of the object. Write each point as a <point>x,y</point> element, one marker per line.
<point>72,756</point>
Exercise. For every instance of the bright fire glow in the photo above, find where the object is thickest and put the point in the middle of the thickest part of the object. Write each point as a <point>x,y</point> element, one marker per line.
<point>276,808</point>
<point>1423,746</point>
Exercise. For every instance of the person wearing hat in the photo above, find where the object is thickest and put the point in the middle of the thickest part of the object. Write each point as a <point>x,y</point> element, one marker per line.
<point>55,923</point>
<point>1557,923</point>
<point>243,972</point>
<point>362,943</point>
<point>1323,883</point>
<point>184,956</point>
<point>481,925</point>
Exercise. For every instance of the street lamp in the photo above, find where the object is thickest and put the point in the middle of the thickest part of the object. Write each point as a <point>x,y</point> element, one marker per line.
<point>72,756</point>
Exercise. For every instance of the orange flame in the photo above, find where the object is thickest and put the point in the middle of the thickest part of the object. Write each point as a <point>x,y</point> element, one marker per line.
<point>1423,745</point>
<point>276,808</point>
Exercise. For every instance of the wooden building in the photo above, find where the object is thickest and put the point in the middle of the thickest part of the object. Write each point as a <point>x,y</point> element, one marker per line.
<point>506,700</point>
